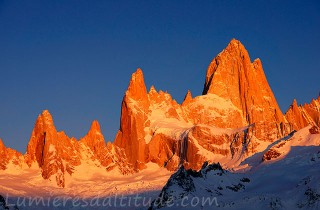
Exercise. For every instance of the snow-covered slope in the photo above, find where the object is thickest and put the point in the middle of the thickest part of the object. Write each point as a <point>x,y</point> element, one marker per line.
<point>288,181</point>
<point>86,183</point>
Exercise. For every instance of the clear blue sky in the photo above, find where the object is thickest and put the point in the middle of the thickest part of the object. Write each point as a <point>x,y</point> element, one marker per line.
<point>75,58</point>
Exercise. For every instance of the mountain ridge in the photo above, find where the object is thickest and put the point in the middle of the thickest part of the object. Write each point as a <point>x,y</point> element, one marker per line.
<point>236,117</point>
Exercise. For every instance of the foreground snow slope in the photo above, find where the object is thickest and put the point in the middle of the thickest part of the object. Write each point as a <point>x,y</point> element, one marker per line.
<point>289,181</point>
<point>87,183</point>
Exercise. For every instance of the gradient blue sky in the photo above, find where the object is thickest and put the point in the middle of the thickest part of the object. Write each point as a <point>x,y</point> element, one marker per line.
<point>75,58</point>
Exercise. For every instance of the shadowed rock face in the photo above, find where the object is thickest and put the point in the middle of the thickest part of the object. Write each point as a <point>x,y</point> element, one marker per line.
<point>210,178</point>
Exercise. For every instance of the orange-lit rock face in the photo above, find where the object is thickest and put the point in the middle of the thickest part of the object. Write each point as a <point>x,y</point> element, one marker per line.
<point>8,155</point>
<point>109,155</point>
<point>301,116</point>
<point>155,128</point>
<point>313,110</point>
<point>137,89</point>
<point>314,130</point>
<point>140,113</point>
<point>187,98</point>
<point>316,105</point>
<point>94,138</point>
<point>236,94</point>
<point>57,154</point>
<point>230,146</point>
<point>232,76</point>
<point>232,120</point>
<point>295,117</point>
<point>133,117</point>
<point>54,152</point>
<point>163,151</point>
<point>3,156</point>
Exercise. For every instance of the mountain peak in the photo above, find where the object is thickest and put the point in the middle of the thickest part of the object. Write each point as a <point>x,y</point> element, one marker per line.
<point>235,42</point>
<point>257,64</point>
<point>95,126</point>
<point>232,76</point>
<point>152,89</point>
<point>44,122</point>
<point>300,116</point>
<point>46,117</point>
<point>137,88</point>
<point>94,138</point>
<point>223,66</point>
<point>45,112</point>
<point>187,98</point>
<point>235,46</point>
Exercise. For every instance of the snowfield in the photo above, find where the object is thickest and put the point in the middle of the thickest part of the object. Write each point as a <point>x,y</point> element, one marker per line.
<point>88,188</point>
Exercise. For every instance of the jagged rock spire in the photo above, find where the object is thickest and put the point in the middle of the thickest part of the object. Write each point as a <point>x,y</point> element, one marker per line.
<point>137,89</point>
<point>94,138</point>
<point>187,98</point>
